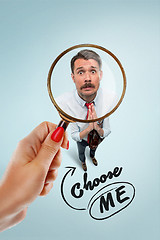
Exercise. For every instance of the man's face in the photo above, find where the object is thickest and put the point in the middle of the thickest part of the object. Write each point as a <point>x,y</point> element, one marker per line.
<point>86,77</point>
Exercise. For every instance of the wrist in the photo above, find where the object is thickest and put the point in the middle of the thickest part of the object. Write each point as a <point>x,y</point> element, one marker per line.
<point>9,214</point>
<point>8,202</point>
<point>5,202</point>
<point>90,128</point>
<point>96,126</point>
<point>99,130</point>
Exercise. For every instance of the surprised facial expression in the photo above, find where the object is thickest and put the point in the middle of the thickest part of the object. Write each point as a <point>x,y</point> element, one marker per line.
<point>86,77</point>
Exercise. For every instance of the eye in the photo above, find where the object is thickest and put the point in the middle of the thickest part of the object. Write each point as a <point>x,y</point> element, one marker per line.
<point>80,72</point>
<point>93,71</point>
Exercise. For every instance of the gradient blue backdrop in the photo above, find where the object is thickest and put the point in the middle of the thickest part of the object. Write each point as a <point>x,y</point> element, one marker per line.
<point>32,34</point>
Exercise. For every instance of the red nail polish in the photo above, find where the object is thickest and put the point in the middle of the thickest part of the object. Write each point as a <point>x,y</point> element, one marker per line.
<point>67,145</point>
<point>57,134</point>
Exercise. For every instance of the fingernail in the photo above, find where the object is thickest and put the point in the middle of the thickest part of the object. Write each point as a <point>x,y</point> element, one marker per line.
<point>57,134</point>
<point>67,145</point>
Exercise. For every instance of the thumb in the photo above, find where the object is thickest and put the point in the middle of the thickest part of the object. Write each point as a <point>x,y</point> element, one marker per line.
<point>49,148</point>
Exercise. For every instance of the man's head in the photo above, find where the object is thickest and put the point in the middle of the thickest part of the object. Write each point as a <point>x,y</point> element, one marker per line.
<point>86,73</point>
<point>86,55</point>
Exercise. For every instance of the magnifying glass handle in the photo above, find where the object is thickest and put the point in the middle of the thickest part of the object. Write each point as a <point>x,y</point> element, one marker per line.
<point>59,131</point>
<point>63,124</point>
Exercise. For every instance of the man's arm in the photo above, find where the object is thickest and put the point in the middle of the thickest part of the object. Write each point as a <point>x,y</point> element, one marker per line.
<point>102,131</point>
<point>78,135</point>
<point>98,129</point>
<point>106,127</point>
<point>86,131</point>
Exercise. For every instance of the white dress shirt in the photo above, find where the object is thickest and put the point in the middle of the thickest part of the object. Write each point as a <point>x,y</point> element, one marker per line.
<point>74,106</point>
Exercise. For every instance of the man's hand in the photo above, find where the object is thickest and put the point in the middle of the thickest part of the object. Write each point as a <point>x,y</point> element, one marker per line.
<point>90,117</point>
<point>94,114</point>
<point>30,173</point>
<point>95,125</point>
<point>86,131</point>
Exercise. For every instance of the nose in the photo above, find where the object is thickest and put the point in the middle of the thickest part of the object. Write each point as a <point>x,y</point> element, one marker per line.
<point>87,77</point>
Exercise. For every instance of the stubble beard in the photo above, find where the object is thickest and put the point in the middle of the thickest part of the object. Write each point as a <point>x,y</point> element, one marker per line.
<point>86,97</point>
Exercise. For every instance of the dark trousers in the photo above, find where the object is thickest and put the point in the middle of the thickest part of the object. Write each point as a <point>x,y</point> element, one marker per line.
<point>81,150</point>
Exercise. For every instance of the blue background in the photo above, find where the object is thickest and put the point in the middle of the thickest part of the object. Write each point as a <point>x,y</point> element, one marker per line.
<point>33,33</point>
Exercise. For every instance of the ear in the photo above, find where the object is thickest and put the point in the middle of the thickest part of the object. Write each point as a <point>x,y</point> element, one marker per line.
<point>72,76</point>
<point>100,75</point>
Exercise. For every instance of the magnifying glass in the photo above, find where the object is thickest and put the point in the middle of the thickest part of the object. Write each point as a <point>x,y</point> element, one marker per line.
<point>113,84</point>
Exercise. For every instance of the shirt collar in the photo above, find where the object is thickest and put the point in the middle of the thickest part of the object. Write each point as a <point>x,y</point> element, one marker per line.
<point>82,102</point>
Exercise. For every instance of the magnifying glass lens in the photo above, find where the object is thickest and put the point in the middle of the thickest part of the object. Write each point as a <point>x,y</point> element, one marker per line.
<point>86,82</point>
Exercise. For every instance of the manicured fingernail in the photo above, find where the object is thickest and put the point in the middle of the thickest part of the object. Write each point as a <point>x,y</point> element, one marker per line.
<point>67,145</point>
<point>57,134</point>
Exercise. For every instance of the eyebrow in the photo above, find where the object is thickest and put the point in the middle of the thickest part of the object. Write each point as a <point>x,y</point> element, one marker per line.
<point>79,68</point>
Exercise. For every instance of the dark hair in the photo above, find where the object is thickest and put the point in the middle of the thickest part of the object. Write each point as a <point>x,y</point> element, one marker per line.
<point>86,54</point>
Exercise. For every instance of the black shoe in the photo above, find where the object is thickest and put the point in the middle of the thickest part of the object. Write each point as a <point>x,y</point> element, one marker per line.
<point>94,161</point>
<point>84,166</point>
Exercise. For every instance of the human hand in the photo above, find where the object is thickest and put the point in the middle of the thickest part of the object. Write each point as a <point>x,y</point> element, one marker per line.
<point>90,117</point>
<point>94,116</point>
<point>30,173</point>
<point>95,124</point>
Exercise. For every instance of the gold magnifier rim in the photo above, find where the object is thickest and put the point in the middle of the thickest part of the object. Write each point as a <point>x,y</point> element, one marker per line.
<point>64,115</point>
